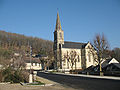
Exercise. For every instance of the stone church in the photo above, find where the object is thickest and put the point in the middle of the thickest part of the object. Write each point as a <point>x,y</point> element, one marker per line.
<point>70,55</point>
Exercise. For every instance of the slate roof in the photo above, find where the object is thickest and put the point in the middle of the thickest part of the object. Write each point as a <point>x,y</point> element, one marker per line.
<point>41,55</point>
<point>106,62</point>
<point>117,65</point>
<point>74,45</point>
<point>33,60</point>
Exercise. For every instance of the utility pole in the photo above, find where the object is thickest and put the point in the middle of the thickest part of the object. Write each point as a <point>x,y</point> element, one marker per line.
<point>30,76</point>
<point>30,59</point>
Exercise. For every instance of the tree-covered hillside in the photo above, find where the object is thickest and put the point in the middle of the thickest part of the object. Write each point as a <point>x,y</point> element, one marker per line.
<point>19,42</point>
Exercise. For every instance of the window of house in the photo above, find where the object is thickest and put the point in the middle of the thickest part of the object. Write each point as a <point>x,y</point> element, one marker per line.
<point>78,58</point>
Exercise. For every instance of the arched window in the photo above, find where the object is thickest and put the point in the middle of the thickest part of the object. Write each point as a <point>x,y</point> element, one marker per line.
<point>89,57</point>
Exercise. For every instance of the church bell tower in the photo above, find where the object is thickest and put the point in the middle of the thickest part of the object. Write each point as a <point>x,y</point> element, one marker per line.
<point>58,42</point>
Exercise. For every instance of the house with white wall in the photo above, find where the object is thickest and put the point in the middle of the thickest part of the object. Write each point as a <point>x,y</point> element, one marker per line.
<point>33,64</point>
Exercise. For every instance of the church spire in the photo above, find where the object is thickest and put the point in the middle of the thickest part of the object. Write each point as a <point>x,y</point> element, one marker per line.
<point>58,24</point>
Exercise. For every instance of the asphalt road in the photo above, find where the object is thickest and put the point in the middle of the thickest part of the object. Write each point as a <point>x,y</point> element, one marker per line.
<point>82,83</point>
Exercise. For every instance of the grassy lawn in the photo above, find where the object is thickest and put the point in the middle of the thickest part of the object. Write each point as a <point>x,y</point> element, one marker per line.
<point>36,83</point>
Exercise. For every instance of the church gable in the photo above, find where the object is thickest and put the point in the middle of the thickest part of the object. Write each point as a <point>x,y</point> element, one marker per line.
<point>74,45</point>
<point>89,46</point>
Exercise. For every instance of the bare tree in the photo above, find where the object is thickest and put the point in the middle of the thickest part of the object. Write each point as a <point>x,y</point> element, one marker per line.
<point>71,58</point>
<point>100,45</point>
<point>18,63</point>
<point>46,62</point>
<point>115,53</point>
<point>47,59</point>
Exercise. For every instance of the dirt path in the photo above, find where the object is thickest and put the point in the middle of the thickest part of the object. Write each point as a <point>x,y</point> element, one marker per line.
<point>20,87</point>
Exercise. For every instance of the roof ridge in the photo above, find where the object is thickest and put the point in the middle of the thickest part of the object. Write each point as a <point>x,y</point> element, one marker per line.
<point>75,42</point>
<point>75,45</point>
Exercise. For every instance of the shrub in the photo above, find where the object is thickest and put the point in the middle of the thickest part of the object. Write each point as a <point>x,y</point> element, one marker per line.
<point>11,75</point>
<point>0,76</point>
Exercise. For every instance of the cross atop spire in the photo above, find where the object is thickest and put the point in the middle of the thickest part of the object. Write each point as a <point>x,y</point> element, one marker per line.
<point>58,24</point>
